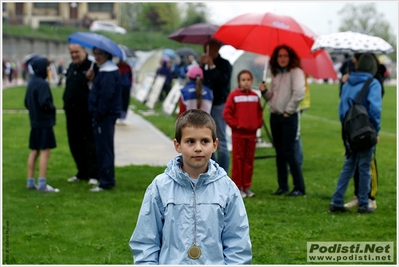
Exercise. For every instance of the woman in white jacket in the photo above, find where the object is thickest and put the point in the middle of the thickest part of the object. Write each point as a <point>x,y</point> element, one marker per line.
<point>286,91</point>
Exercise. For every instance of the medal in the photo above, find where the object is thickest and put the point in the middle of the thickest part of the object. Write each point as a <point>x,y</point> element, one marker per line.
<point>194,252</point>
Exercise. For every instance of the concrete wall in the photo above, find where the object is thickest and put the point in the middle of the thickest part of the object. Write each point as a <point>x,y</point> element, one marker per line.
<point>15,48</point>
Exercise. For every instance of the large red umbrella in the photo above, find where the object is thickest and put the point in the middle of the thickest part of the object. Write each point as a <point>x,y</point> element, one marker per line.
<point>262,33</point>
<point>199,33</point>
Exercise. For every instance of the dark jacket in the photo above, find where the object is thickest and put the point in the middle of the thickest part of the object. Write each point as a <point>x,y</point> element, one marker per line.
<point>106,95</point>
<point>38,98</point>
<point>218,79</point>
<point>165,71</point>
<point>76,94</point>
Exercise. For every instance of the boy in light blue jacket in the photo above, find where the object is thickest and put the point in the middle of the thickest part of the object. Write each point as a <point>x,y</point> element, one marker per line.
<point>192,213</point>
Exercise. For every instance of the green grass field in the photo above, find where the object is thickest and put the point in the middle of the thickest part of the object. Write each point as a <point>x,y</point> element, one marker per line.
<point>76,226</point>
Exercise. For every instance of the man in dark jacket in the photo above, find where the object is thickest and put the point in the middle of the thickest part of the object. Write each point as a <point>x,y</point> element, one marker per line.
<point>217,74</point>
<point>39,102</point>
<point>78,119</point>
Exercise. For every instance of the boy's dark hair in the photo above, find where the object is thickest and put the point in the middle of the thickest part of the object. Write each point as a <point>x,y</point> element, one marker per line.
<point>196,118</point>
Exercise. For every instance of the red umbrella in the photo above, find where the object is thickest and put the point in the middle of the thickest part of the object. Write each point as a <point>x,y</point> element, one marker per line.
<point>261,33</point>
<point>321,65</point>
<point>199,33</point>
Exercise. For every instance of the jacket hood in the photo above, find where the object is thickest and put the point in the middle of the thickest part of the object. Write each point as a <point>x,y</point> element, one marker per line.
<point>39,67</point>
<point>358,77</point>
<point>174,171</point>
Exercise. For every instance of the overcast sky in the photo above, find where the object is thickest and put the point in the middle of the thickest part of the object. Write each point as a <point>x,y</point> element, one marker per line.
<point>321,16</point>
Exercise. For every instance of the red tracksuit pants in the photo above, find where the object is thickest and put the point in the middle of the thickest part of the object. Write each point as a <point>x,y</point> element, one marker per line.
<point>243,160</point>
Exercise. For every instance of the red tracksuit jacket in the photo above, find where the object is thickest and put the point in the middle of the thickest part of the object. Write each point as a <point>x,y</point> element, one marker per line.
<point>243,113</point>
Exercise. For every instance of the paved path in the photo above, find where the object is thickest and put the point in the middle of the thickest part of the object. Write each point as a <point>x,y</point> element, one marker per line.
<point>138,142</point>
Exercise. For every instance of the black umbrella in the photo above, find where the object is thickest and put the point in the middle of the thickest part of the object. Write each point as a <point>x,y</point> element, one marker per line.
<point>186,51</point>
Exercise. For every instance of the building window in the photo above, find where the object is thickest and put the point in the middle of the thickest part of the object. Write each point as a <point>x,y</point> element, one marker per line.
<point>45,5</point>
<point>96,7</point>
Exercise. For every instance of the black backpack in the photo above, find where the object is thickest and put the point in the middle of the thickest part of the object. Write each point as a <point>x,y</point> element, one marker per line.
<point>358,130</point>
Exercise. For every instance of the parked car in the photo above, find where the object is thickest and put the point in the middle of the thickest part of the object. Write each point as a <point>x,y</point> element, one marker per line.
<point>106,26</point>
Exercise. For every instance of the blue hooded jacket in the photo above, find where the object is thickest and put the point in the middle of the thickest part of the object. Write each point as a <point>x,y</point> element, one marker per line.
<point>38,97</point>
<point>371,100</point>
<point>165,227</point>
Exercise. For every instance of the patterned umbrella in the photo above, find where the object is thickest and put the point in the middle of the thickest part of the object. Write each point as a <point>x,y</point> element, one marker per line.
<point>352,41</point>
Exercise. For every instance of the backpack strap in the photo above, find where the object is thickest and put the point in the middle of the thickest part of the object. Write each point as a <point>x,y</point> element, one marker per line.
<point>363,91</point>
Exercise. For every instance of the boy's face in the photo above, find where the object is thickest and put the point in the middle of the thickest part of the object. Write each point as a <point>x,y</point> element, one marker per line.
<point>196,147</point>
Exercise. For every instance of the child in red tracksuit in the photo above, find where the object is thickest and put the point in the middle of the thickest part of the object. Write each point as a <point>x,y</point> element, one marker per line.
<point>244,114</point>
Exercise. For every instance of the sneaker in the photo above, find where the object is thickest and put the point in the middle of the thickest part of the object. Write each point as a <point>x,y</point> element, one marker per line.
<point>372,203</point>
<point>334,208</point>
<point>96,189</point>
<point>93,181</point>
<point>364,209</point>
<point>249,193</point>
<point>243,194</point>
<point>73,179</point>
<point>295,193</point>
<point>48,188</point>
<point>351,203</point>
<point>32,187</point>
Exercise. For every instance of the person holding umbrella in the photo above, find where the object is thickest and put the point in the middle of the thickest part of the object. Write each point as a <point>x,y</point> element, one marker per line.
<point>286,91</point>
<point>105,105</point>
<point>217,74</point>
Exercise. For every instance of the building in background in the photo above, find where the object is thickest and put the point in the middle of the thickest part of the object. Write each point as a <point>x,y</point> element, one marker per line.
<point>76,14</point>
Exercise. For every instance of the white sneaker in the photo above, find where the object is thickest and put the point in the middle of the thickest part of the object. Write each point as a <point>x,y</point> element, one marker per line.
<point>93,181</point>
<point>48,188</point>
<point>73,179</point>
<point>351,203</point>
<point>372,203</point>
<point>243,194</point>
<point>96,189</point>
<point>249,193</point>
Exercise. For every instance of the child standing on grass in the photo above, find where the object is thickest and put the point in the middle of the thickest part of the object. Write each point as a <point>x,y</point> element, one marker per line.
<point>195,94</point>
<point>244,114</point>
<point>192,213</point>
<point>39,102</point>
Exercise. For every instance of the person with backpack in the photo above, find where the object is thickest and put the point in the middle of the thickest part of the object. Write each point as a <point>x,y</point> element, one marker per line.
<point>358,157</point>
<point>373,167</point>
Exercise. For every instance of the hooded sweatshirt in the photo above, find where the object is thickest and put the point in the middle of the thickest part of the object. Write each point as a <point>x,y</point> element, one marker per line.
<point>38,98</point>
<point>371,100</point>
<point>165,227</point>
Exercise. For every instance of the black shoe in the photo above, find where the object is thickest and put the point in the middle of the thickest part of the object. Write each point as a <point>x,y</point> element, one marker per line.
<point>280,192</point>
<point>364,209</point>
<point>295,193</point>
<point>334,208</point>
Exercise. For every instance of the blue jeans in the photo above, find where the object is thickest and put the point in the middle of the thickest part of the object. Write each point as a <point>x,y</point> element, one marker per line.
<point>223,154</point>
<point>362,160</point>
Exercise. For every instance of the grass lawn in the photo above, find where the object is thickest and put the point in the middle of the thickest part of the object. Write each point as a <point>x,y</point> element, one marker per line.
<point>76,226</point>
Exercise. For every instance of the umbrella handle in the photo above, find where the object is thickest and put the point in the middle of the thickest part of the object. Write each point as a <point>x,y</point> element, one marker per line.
<point>265,69</point>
